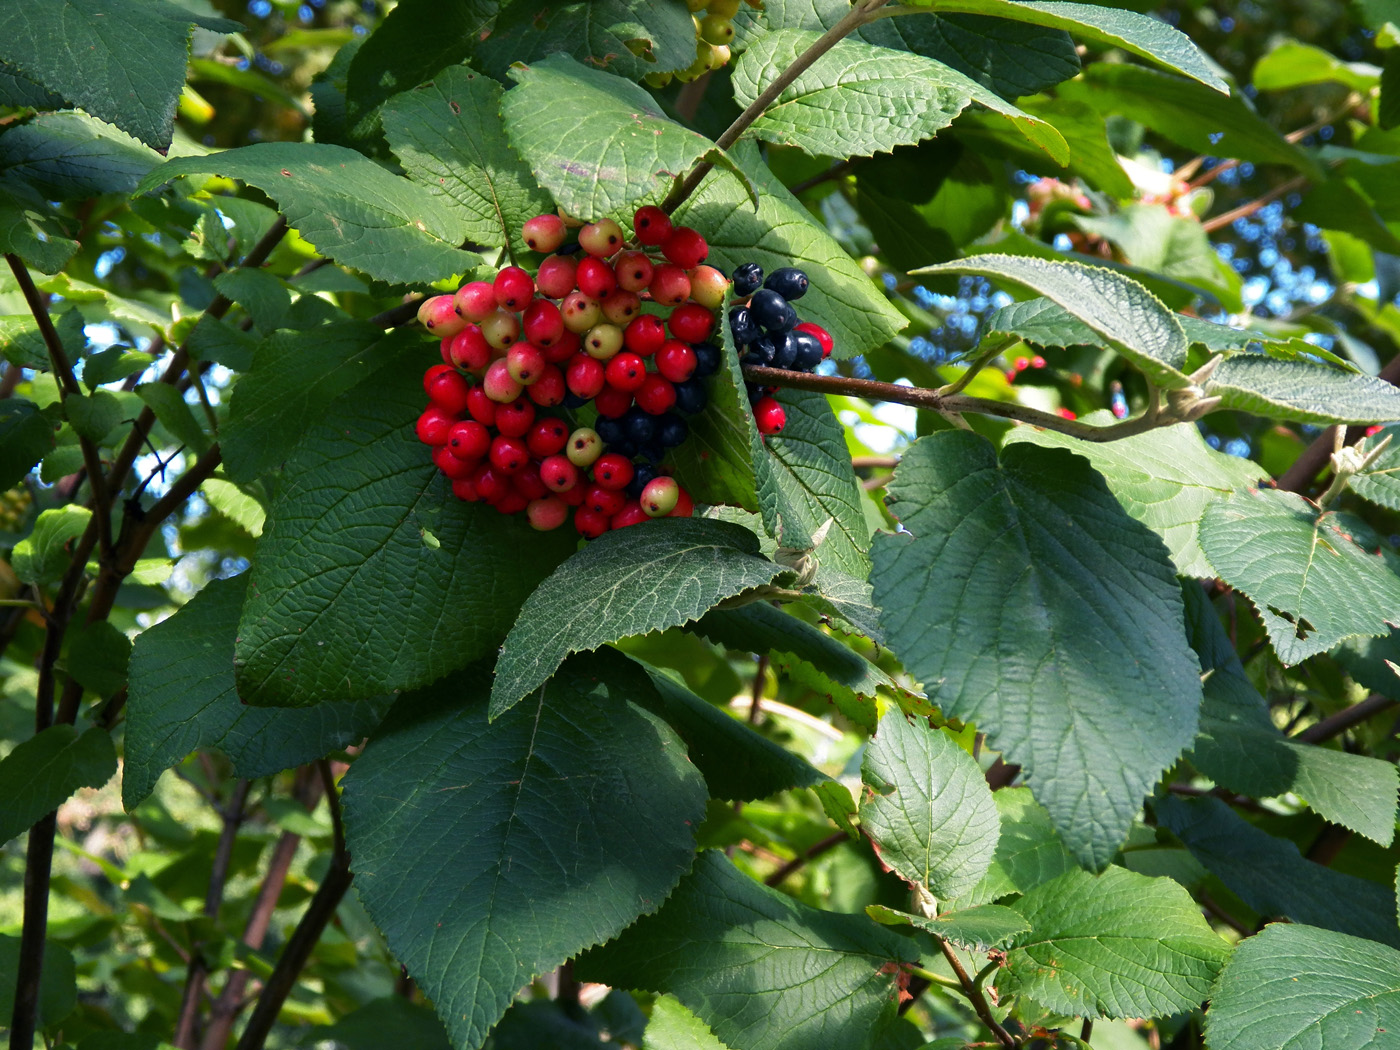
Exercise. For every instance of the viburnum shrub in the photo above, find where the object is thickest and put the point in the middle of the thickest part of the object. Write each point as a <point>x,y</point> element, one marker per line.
<point>679,525</point>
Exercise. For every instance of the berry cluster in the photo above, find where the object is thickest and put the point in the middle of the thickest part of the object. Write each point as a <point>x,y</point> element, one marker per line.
<point>768,332</point>
<point>714,31</point>
<point>14,508</point>
<point>574,339</point>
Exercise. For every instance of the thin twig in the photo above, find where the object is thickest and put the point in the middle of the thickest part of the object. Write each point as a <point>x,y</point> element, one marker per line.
<point>810,853</point>
<point>1245,210</point>
<point>975,996</point>
<point>1347,718</point>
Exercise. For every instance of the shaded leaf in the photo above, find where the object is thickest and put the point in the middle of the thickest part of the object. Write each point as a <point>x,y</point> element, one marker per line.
<point>977,929</point>
<point>70,156</point>
<point>1029,851</point>
<point>597,32</point>
<point>43,771</point>
<point>25,436</point>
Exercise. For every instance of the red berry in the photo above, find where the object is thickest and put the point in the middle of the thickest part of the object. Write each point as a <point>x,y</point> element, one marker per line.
<point>573,497</point>
<point>691,323</point>
<point>613,471</point>
<point>516,418</point>
<point>549,389</point>
<point>482,408</point>
<point>612,402</point>
<point>669,285</point>
<point>449,392</point>
<point>685,506</point>
<point>469,349</point>
<point>652,225</point>
<point>463,489</point>
<point>445,349</point>
<point>434,424</point>
<point>676,361</point>
<point>547,437</point>
<point>563,348</point>
<point>475,300</point>
<point>632,514</point>
<point>558,474</point>
<point>596,278</point>
<point>621,307</point>
<point>432,373</point>
<point>514,289</point>
<point>604,501</point>
<point>547,514</point>
<point>543,233</point>
<point>602,238</point>
<point>633,270</point>
<point>656,395</point>
<point>499,384</point>
<point>685,247</point>
<point>708,286</point>
<point>490,484</point>
<point>1037,361</point>
<point>627,371</point>
<point>450,465</point>
<point>469,440</point>
<point>823,336</point>
<point>526,481</point>
<point>556,277</point>
<point>542,323</point>
<point>439,316</point>
<point>585,377</point>
<point>589,523</point>
<point>769,416</point>
<point>644,335</point>
<point>525,363</point>
<point>508,454</point>
<point>512,502</point>
<point>660,496</point>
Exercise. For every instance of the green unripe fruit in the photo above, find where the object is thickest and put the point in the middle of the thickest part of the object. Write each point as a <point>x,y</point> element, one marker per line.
<point>584,447</point>
<point>716,30</point>
<point>657,80</point>
<point>724,8</point>
<point>660,497</point>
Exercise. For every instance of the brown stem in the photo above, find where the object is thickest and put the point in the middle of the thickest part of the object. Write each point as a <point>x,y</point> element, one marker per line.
<point>974,995</point>
<point>9,380</point>
<point>1210,905</point>
<point>31,944</point>
<point>397,315</point>
<point>810,853</point>
<point>1311,461</point>
<point>1347,718</point>
<point>1245,210</point>
<point>690,97</point>
<point>68,387</point>
<point>859,15</point>
<point>760,678</point>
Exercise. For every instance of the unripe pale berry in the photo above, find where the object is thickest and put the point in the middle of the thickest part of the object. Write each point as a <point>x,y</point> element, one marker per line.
<point>549,389</point>
<point>603,341</point>
<point>515,418</point>
<point>580,312</point>
<point>469,349</point>
<point>633,271</point>
<point>602,238</point>
<point>621,307</point>
<point>585,376</point>
<point>514,288</point>
<point>708,286</point>
<point>652,225</point>
<point>557,276</point>
<point>716,30</point>
<point>660,497</point>
<point>439,316</point>
<point>547,514</point>
<point>544,233</point>
<point>669,285</point>
<point>499,384</point>
<point>542,323</point>
<point>685,247</point>
<point>525,363</point>
<point>691,323</point>
<point>596,278</point>
<point>501,329</point>
<point>723,8</point>
<point>584,447</point>
<point>475,300</point>
<point>719,58</point>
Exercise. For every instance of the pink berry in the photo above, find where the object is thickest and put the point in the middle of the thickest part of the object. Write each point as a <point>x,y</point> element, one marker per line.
<point>656,395</point>
<point>508,454</point>
<point>685,506</point>
<point>676,361</point>
<point>439,316</point>
<point>501,328</point>
<point>499,384</point>
<point>651,224</point>
<point>547,514</point>
<point>601,239</point>
<point>525,363</point>
<point>613,471</point>
<point>474,301</point>
<point>708,286</point>
<point>691,323</point>
<point>514,289</point>
<point>596,278</point>
<point>481,407</point>
<point>556,278</point>
<point>585,376</point>
<point>469,440</point>
<point>685,247</point>
<point>544,233</point>
<point>769,416</point>
<point>669,285</point>
<point>632,514</point>
<point>633,271</point>
<point>581,312</point>
<point>621,307</point>
<point>449,392</point>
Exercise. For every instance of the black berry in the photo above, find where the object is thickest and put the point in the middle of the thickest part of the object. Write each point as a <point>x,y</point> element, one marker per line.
<point>742,325</point>
<point>809,351</point>
<point>672,430</point>
<point>706,359</point>
<point>789,282</point>
<point>747,279</point>
<point>772,311</point>
<point>691,396</point>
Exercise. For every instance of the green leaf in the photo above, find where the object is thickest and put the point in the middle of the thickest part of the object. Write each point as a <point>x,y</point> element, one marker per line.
<point>597,33</point>
<point>345,599</point>
<point>347,206</point>
<point>738,764</point>
<point>95,415</point>
<point>31,231</point>
<point>71,156</point>
<point>1296,987</point>
<point>113,364</point>
<point>1188,114</point>
<point>841,298</point>
<point>453,822</point>
<point>414,1027</point>
<point>25,436</point>
<point>928,809</point>
<point>450,140</point>
<point>1029,851</point>
<point>262,294</point>
<point>1309,581</point>
<point>673,1027</point>
<point>183,699</point>
<point>1303,392</point>
<point>175,414</point>
<point>58,981</point>
<point>43,771</point>
<point>98,654</point>
<point>42,556</point>
<point>763,971</point>
<point>1118,944</point>
<point>1141,35</point>
<point>292,382</point>
<point>1273,878</point>
<point>1380,482</point>
<point>977,929</point>
<point>1240,748</point>
<point>662,573</point>
<point>858,99</point>
<point>122,61</point>
<point>1164,479</point>
<point>236,503</point>
<point>1293,64</point>
<point>1099,692</point>
<point>807,653</point>
<point>1131,318</point>
<point>600,144</point>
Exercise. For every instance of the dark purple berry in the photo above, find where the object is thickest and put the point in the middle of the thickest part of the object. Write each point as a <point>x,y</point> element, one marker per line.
<point>645,473</point>
<point>691,396</point>
<point>784,350</point>
<point>742,325</point>
<point>639,425</point>
<point>809,351</point>
<point>756,391</point>
<point>672,430</point>
<point>772,311</point>
<point>747,279</point>
<point>789,282</point>
<point>761,351</point>
<point>652,450</point>
<point>610,430</point>
<point>706,359</point>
